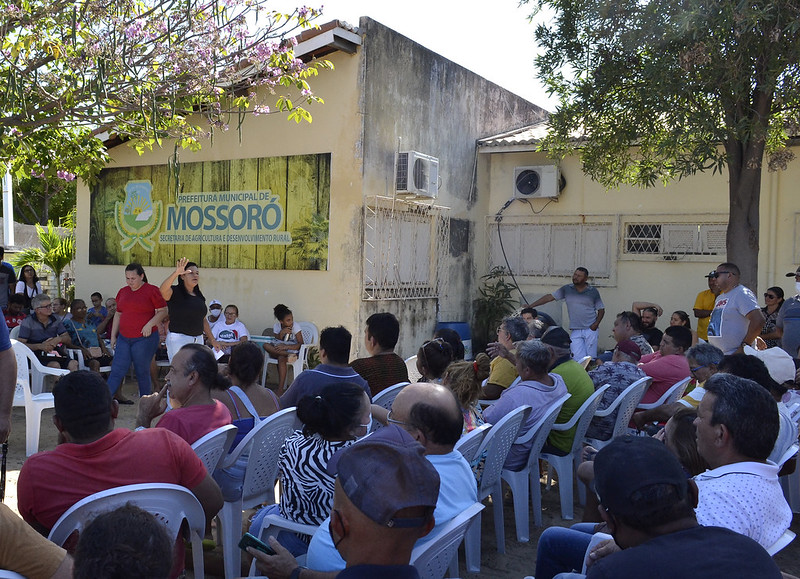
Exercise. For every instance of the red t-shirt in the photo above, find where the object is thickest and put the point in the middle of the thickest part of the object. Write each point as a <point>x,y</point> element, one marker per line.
<point>665,372</point>
<point>51,482</point>
<point>136,308</point>
<point>12,321</point>
<point>194,422</point>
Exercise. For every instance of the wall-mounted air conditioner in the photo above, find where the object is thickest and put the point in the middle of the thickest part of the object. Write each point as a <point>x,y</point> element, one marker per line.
<point>417,174</point>
<point>536,182</point>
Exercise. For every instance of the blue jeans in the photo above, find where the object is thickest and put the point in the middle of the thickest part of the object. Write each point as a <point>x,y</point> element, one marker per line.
<point>561,550</point>
<point>140,351</point>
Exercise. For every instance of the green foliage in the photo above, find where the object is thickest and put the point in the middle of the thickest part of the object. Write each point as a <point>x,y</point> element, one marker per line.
<point>657,90</point>
<point>310,240</point>
<point>56,252</point>
<point>495,302</point>
<point>662,89</point>
<point>142,70</point>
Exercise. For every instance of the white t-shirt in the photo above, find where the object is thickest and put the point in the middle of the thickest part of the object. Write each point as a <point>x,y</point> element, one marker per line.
<point>229,333</point>
<point>296,329</point>
<point>728,318</point>
<point>22,288</point>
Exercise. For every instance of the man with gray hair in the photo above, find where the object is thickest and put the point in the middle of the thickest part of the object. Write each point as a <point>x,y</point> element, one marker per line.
<point>703,361</point>
<point>503,372</point>
<point>537,388</point>
<point>44,334</point>
<point>737,425</point>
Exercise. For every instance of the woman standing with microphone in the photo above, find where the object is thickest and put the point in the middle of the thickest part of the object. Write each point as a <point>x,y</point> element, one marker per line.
<point>187,308</point>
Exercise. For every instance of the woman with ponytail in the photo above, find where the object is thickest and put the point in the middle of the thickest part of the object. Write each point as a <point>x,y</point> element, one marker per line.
<point>465,379</point>
<point>332,420</point>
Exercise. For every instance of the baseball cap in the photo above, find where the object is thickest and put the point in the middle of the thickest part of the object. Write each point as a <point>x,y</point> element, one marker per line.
<point>385,473</point>
<point>557,337</point>
<point>631,463</point>
<point>793,273</point>
<point>214,303</point>
<point>630,348</point>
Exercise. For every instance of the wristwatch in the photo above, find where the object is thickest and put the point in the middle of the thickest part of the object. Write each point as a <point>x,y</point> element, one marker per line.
<point>296,573</point>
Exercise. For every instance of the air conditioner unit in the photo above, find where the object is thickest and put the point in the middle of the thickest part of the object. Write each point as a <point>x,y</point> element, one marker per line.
<point>417,174</point>
<point>536,181</point>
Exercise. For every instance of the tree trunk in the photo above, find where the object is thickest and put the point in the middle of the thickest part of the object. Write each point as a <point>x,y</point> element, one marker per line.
<point>743,222</point>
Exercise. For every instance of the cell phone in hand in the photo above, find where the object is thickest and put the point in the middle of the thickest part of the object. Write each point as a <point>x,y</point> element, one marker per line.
<point>249,540</point>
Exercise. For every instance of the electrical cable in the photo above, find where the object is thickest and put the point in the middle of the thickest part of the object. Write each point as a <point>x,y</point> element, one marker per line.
<point>498,217</point>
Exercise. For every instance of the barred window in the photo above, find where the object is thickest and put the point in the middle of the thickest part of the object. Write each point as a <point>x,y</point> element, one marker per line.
<point>405,245</point>
<point>674,239</point>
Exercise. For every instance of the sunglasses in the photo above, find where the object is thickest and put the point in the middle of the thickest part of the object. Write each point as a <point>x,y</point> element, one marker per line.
<point>770,296</point>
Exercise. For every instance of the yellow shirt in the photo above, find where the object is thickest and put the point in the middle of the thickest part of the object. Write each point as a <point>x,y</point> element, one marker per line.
<point>502,372</point>
<point>705,301</point>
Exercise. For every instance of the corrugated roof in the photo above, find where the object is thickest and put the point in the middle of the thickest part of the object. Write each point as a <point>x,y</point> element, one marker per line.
<point>528,135</point>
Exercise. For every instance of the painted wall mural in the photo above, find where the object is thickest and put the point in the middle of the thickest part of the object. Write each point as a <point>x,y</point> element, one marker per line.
<point>267,213</point>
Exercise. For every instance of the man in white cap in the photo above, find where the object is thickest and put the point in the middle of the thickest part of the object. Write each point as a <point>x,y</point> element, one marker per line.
<point>788,322</point>
<point>214,311</point>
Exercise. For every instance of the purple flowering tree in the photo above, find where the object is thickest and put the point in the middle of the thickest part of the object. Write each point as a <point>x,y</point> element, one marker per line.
<point>143,71</point>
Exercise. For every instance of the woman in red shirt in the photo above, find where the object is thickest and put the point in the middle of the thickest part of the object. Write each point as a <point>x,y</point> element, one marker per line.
<point>134,334</point>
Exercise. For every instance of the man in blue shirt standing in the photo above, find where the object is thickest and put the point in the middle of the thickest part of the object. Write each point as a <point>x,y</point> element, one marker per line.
<point>585,309</point>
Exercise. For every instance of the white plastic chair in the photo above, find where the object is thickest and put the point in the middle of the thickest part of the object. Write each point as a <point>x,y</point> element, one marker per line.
<point>485,403</point>
<point>310,338</point>
<point>627,402</point>
<point>385,397</point>
<point>411,366</point>
<point>469,443</point>
<point>37,370</point>
<point>214,446</point>
<point>565,465</point>
<point>5,574</point>
<point>13,333</point>
<point>263,444</point>
<point>433,559</point>
<point>672,395</point>
<point>526,480</point>
<point>170,504</point>
<point>585,361</point>
<point>272,524</point>
<point>787,537</point>
<point>496,444</point>
<point>23,395</point>
<point>77,354</point>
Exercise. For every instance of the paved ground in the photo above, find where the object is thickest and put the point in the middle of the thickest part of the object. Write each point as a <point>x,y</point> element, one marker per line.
<point>517,562</point>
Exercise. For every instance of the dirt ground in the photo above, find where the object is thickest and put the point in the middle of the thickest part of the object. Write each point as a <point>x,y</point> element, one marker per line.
<point>517,562</point>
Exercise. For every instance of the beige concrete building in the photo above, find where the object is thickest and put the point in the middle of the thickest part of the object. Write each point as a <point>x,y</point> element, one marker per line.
<point>638,244</point>
<point>411,252</point>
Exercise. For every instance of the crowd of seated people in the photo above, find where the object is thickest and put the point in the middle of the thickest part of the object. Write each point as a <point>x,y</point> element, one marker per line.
<point>729,419</point>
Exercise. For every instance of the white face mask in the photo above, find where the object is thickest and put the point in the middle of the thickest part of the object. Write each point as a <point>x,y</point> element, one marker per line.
<point>214,313</point>
<point>797,286</point>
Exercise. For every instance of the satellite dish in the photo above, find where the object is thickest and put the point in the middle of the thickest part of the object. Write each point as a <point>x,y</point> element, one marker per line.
<point>528,182</point>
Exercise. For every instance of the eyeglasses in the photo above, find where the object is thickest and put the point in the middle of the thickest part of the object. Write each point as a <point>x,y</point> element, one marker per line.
<point>501,329</point>
<point>693,370</point>
<point>770,296</point>
<point>47,307</point>
<point>391,420</point>
<point>719,273</point>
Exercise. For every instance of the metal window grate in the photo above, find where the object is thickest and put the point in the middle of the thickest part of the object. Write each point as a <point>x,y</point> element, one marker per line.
<point>643,238</point>
<point>405,249</point>
<point>674,239</point>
